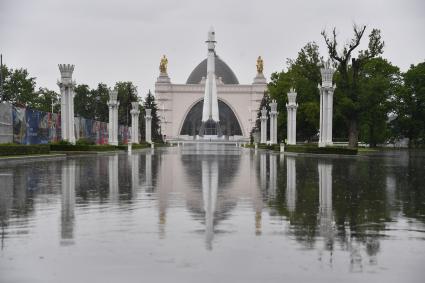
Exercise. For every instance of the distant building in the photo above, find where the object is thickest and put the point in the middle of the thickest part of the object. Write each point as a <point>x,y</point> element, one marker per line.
<point>180,105</point>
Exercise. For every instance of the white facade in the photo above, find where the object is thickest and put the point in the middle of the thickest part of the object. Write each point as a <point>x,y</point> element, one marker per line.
<point>176,100</point>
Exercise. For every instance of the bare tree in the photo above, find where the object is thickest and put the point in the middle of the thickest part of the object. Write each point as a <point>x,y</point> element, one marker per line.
<point>350,74</point>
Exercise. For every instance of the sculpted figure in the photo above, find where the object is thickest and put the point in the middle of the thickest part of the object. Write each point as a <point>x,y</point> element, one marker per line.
<point>163,65</point>
<point>260,65</point>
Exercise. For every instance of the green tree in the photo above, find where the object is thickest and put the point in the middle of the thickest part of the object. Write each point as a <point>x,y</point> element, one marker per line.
<point>379,82</point>
<point>348,83</point>
<point>100,99</point>
<point>303,74</point>
<point>127,93</point>
<point>46,99</point>
<point>18,87</point>
<point>84,104</point>
<point>150,103</point>
<point>410,107</point>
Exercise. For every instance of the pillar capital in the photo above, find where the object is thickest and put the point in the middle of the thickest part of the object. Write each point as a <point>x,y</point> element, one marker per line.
<point>327,73</point>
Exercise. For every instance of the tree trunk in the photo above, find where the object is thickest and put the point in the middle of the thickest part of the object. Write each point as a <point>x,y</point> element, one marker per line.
<point>353,137</point>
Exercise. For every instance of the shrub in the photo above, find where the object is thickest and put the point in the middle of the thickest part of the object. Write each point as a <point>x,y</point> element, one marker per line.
<point>66,147</point>
<point>19,149</point>
<point>84,141</point>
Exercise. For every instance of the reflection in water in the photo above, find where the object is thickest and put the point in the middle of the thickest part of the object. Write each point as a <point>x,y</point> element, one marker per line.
<point>325,205</point>
<point>209,197</point>
<point>6,199</point>
<point>272,175</point>
<point>113,177</point>
<point>148,169</point>
<point>68,203</point>
<point>134,160</point>
<point>357,214</point>
<point>291,183</point>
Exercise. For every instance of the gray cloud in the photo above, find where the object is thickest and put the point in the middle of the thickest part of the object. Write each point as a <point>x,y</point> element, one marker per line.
<point>109,41</point>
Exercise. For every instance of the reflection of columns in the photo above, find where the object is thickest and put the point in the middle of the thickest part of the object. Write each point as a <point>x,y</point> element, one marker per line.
<point>134,174</point>
<point>6,201</point>
<point>272,175</point>
<point>263,171</point>
<point>209,196</point>
<point>113,177</point>
<point>273,122</point>
<point>113,117</point>
<point>325,200</point>
<point>291,184</point>
<point>68,203</point>
<point>148,169</point>
<point>263,119</point>
<point>326,105</point>
<point>291,107</point>
<point>66,86</point>
<point>148,127</point>
<point>135,122</point>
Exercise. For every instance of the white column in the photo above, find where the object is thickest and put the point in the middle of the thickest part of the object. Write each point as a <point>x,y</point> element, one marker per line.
<point>263,125</point>
<point>135,122</point>
<point>66,86</point>
<point>148,126</point>
<point>291,107</point>
<point>113,105</point>
<point>273,122</point>
<point>326,104</point>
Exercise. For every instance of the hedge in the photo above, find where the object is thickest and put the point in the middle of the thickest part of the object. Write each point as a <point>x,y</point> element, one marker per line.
<point>310,148</point>
<point>67,147</point>
<point>321,150</point>
<point>134,146</point>
<point>19,149</point>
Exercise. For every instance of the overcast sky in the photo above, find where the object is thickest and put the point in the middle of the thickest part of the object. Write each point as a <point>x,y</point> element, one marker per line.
<point>123,40</point>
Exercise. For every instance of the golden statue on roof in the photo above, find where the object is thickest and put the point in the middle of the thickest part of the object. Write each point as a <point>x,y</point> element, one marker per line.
<point>163,65</point>
<point>260,65</point>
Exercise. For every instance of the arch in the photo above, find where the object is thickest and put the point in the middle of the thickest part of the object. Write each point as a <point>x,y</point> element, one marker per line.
<point>229,120</point>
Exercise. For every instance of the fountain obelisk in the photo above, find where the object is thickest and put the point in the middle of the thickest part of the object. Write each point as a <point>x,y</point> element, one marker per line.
<point>210,126</point>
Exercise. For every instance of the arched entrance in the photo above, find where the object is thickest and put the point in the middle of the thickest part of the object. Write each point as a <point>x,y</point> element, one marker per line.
<point>228,122</point>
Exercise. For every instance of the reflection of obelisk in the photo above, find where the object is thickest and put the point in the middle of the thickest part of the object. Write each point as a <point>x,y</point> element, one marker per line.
<point>210,120</point>
<point>209,195</point>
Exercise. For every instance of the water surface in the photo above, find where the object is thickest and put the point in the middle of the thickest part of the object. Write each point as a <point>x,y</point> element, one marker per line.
<point>211,213</point>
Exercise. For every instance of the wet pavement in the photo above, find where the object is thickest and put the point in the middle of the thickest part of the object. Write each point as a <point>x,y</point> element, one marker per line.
<point>214,213</point>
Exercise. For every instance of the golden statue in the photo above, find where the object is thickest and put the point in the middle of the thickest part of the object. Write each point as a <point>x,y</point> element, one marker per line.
<point>163,65</point>
<point>260,65</point>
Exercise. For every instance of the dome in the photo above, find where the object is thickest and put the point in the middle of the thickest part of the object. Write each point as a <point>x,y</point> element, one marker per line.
<point>221,70</point>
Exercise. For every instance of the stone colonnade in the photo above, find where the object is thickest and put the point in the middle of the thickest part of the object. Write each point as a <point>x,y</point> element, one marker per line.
<point>148,128</point>
<point>273,122</point>
<point>113,105</point>
<point>135,122</point>
<point>291,107</point>
<point>263,125</point>
<point>326,105</point>
<point>66,85</point>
